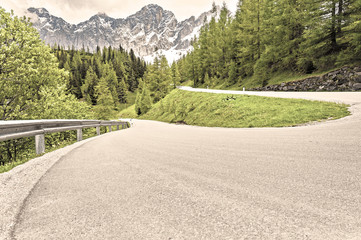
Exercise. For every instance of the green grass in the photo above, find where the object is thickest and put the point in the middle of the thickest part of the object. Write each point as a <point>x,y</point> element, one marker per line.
<point>220,110</point>
<point>128,112</point>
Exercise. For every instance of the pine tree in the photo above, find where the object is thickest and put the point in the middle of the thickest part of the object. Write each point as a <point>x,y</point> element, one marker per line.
<point>176,79</point>
<point>207,81</point>
<point>146,101</point>
<point>159,78</point>
<point>138,99</point>
<point>352,34</point>
<point>232,76</point>
<point>110,76</point>
<point>104,109</point>
<point>122,91</point>
<point>324,26</point>
<point>88,89</point>
<point>76,75</point>
<point>249,30</point>
<point>143,101</point>
<point>355,30</point>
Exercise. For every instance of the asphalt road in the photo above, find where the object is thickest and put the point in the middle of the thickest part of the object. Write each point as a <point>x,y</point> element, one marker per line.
<point>163,181</point>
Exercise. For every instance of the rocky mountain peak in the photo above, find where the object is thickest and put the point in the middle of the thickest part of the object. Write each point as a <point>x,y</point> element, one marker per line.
<point>41,12</point>
<point>102,14</point>
<point>147,31</point>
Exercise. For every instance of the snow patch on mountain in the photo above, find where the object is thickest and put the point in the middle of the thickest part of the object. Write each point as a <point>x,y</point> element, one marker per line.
<point>171,55</point>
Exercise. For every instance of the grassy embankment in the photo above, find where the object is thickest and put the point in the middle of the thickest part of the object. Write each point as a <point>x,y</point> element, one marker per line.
<point>238,111</point>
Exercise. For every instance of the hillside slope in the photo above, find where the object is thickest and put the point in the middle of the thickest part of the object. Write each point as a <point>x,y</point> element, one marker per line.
<point>222,110</point>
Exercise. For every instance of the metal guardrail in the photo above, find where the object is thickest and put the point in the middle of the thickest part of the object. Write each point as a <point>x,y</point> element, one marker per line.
<point>38,128</point>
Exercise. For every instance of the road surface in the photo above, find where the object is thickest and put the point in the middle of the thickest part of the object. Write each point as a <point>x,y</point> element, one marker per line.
<point>163,181</point>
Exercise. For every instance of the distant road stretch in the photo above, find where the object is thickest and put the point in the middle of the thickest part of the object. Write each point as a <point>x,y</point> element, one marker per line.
<point>341,97</point>
<point>164,181</point>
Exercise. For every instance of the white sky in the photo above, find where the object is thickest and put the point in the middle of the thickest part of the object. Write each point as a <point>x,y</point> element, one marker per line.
<point>75,11</point>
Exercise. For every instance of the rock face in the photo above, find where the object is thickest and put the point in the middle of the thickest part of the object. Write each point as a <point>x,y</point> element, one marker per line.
<point>150,29</point>
<point>344,79</point>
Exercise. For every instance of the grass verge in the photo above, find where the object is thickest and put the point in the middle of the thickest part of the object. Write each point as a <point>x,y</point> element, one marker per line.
<point>241,111</point>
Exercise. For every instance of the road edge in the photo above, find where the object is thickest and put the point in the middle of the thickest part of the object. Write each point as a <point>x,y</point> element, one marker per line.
<point>17,184</point>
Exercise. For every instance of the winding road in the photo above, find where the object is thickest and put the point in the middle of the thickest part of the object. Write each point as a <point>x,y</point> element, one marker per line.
<point>164,181</point>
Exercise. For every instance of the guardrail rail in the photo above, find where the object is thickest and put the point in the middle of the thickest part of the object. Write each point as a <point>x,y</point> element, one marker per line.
<point>38,128</point>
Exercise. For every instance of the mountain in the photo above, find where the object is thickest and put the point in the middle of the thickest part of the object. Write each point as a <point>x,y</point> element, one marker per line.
<point>149,32</point>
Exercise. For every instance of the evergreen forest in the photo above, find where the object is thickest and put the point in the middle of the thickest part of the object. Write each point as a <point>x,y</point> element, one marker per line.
<point>104,79</point>
<point>268,37</point>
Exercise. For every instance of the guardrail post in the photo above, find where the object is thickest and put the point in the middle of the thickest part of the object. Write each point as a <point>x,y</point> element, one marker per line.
<point>79,134</point>
<point>40,144</point>
<point>110,128</point>
<point>117,127</point>
<point>98,130</point>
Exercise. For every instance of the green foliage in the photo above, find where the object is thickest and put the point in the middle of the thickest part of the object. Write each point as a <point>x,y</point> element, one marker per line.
<point>143,101</point>
<point>104,108</point>
<point>26,67</point>
<point>128,112</point>
<point>32,86</point>
<point>159,79</point>
<point>146,101</point>
<point>120,69</point>
<point>221,110</point>
<point>122,92</point>
<point>212,51</point>
<point>88,89</point>
<point>232,76</point>
<point>176,78</point>
<point>56,104</point>
<point>353,36</point>
<point>267,37</point>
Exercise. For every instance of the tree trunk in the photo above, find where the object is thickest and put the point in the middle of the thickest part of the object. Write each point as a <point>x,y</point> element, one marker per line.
<point>340,16</point>
<point>333,26</point>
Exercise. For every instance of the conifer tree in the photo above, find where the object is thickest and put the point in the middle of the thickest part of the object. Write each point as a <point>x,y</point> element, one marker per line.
<point>176,79</point>
<point>104,108</point>
<point>232,76</point>
<point>143,101</point>
<point>110,76</point>
<point>139,97</point>
<point>146,101</point>
<point>249,31</point>
<point>75,86</point>
<point>207,81</point>
<point>352,34</point>
<point>122,91</point>
<point>88,89</point>
<point>159,78</point>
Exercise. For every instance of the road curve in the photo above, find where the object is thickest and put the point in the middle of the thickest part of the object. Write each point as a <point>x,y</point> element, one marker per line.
<point>163,181</point>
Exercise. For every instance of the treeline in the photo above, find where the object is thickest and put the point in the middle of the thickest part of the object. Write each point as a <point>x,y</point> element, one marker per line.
<point>114,71</point>
<point>158,81</point>
<point>268,36</point>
